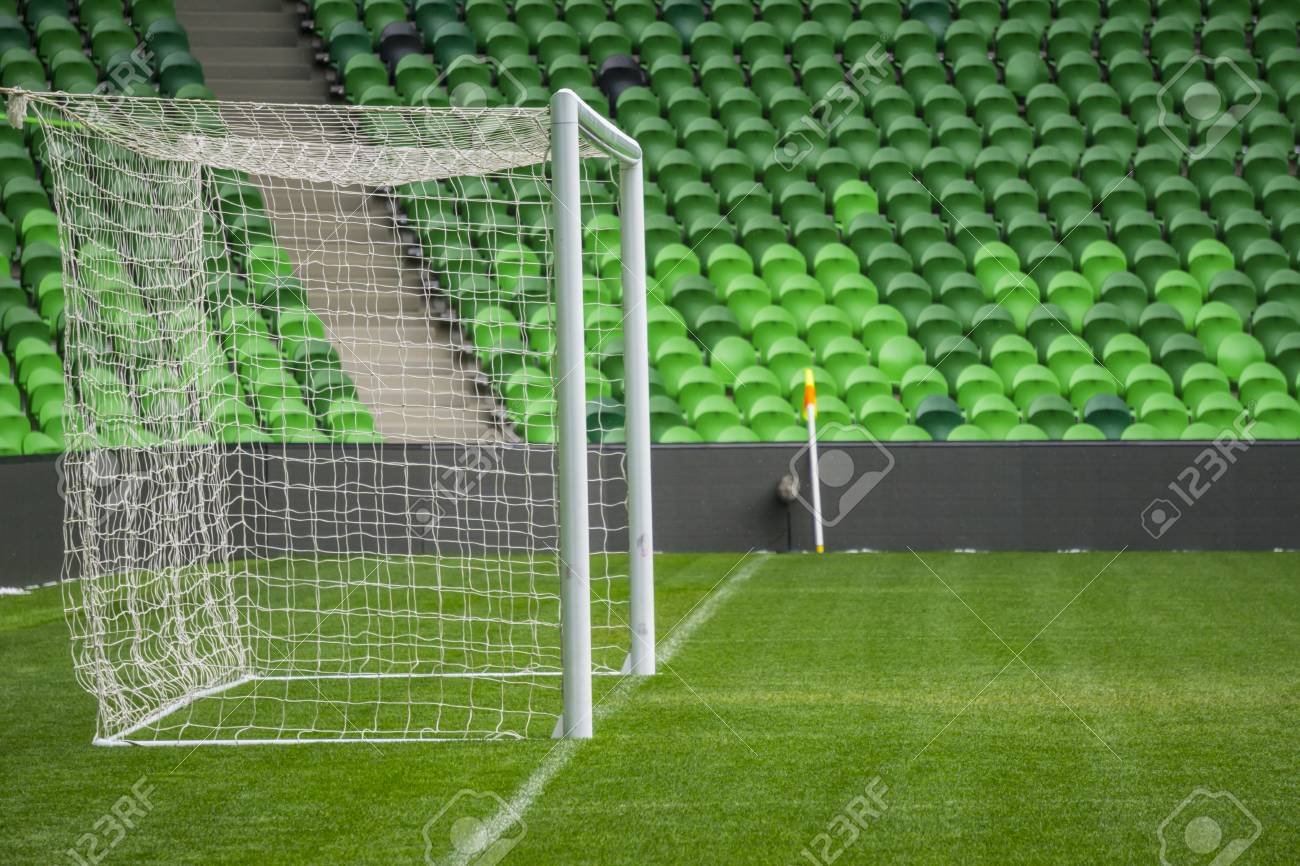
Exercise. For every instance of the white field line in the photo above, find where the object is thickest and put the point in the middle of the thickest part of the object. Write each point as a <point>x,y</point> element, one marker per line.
<point>613,702</point>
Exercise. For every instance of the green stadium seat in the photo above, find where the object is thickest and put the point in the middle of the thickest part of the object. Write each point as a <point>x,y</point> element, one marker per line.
<point>1082,432</point>
<point>768,416</point>
<point>635,15</point>
<point>19,67</point>
<point>938,416</point>
<point>1272,322</point>
<point>897,355</point>
<point>882,415</point>
<point>996,415</point>
<point>657,40</point>
<point>974,382</point>
<point>179,70</point>
<point>1200,431</point>
<point>968,433</point>
<point>1108,414</point>
<point>1280,411</point>
<point>608,39</point>
<point>145,13</point>
<point>680,435</point>
<point>861,384</point>
<point>605,420</point>
<point>1287,357</point>
<point>1031,382</point>
<point>1166,414</point>
<point>665,414</point>
<point>1179,352</point>
<point>910,433</point>
<point>534,16</point>
<point>1220,411</point>
<point>1139,432</point>
<point>1234,289</point>
<point>55,34</point>
<point>1259,379</point>
<point>918,383</point>
<point>735,433</point>
<point>429,15</point>
<point>1201,380</point>
<point>1053,414</point>
<point>1237,352</point>
<point>712,415</point>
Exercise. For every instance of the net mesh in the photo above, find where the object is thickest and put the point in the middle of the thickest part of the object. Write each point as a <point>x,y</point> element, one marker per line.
<point>311,474</point>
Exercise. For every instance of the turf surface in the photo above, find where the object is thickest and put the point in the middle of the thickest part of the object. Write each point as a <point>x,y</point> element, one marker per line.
<point>1017,708</point>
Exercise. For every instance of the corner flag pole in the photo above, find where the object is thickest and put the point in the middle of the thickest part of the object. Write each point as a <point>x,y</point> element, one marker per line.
<point>810,412</point>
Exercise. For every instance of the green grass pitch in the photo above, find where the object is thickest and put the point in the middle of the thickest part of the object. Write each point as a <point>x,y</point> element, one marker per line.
<point>1015,709</point>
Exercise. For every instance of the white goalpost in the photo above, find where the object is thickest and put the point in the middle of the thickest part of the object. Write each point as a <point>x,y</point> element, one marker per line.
<point>358,416</point>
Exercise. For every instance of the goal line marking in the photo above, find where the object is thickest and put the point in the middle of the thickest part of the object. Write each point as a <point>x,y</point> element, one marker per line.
<point>564,750</point>
<point>125,738</point>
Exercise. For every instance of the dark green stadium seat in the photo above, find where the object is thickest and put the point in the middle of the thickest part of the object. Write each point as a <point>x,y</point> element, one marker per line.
<point>177,71</point>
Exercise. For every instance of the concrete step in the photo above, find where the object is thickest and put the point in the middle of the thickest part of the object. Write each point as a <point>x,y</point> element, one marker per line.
<point>358,312</point>
<point>319,200</point>
<point>242,6</point>
<point>296,92</point>
<point>297,55</point>
<point>274,67</point>
<point>199,20</point>
<point>237,37</point>
<point>360,324</point>
<point>254,50</point>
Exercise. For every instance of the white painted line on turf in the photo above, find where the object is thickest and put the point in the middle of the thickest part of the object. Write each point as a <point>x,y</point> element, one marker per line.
<point>615,700</point>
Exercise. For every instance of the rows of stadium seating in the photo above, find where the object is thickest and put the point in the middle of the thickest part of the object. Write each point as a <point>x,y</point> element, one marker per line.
<point>268,372</point>
<point>73,47</point>
<point>975,220</point>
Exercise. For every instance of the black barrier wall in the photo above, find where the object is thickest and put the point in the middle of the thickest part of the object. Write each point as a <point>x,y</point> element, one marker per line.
<point>949,496</point>
<point>984,496</point>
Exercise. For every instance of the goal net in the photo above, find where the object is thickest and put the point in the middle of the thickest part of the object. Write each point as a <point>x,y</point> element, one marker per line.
<point>356,431</point>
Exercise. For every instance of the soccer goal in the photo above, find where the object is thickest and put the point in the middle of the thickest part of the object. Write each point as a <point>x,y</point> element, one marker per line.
<point>358,416</point>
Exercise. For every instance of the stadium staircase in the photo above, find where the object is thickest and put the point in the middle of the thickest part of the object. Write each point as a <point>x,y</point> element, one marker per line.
<point>253,50</point>
<point>374,310</point>
<point>373,304</point>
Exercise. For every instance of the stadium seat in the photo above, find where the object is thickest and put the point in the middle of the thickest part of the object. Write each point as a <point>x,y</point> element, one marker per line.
<point>1006,229</point>
<point>938,416</point>
<point>1280,411</point>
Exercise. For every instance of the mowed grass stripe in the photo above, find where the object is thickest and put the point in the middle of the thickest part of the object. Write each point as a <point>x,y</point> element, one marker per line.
<point>839,669</point>
<point>827,671</point>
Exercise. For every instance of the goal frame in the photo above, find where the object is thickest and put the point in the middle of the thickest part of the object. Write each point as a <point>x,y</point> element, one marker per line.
<point>576,131</point>
<point>572,120</point>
